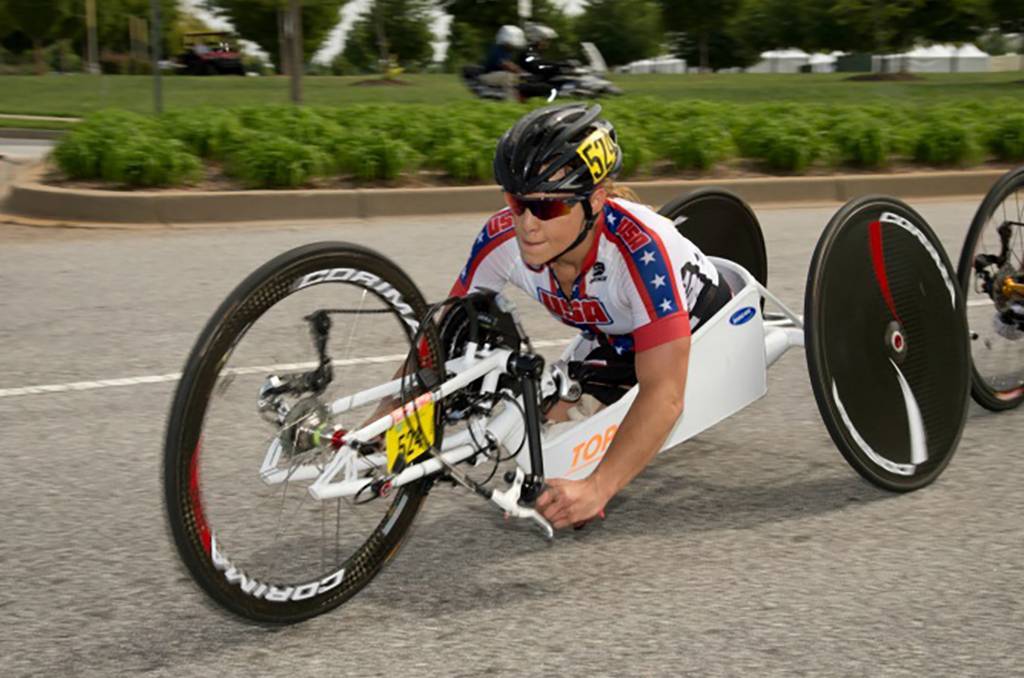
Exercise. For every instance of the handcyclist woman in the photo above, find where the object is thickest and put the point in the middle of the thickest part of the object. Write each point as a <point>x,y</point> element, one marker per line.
<point>605,264</point>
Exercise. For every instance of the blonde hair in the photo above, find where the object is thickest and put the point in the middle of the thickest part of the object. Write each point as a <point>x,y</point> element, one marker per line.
<point>616,190</point>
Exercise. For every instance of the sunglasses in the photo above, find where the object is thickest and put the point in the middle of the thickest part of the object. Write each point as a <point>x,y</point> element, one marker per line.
<point>544,209</point>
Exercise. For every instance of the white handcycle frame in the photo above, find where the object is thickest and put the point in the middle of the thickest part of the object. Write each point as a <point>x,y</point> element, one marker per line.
<point>729,357</point>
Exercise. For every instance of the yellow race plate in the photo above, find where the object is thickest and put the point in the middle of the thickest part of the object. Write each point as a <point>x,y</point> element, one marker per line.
<point>598,151</point>
<point>413,434</point>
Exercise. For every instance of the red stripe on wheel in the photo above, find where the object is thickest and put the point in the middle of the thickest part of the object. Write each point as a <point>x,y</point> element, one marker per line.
<point>878,259</point>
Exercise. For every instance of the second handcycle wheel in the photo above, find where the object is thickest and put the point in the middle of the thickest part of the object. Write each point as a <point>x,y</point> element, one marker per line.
<point>992,255</point>
<point>722,225</point>
<point>238,462</point>
<point>886,343</point>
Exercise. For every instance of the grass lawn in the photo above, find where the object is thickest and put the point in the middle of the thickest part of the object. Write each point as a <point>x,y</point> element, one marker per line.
<point>80,94</point>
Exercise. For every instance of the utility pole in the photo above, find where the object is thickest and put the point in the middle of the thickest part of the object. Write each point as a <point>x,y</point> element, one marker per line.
<point>92,51</point>
<point>158,94</point>
<point>295,34</point>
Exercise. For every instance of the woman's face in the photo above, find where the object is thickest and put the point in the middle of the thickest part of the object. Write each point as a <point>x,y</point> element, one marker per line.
<point>540,240</point>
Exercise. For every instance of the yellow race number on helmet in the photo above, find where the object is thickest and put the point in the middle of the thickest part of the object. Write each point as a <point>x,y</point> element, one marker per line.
<point>599,152</point>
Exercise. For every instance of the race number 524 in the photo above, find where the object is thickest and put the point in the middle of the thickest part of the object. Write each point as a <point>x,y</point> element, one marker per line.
<point>598,152</point>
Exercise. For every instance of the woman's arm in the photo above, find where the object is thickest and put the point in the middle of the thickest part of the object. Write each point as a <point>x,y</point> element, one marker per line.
<point>661,375</point>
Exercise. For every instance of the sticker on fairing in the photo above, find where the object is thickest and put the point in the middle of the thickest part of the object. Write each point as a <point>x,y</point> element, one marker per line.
<point>598,151</point>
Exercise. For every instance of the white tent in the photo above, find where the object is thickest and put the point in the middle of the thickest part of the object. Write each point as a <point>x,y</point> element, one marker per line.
<point>935,59</point>
<point>824,63</point>
<point>781,61</point>
<point>662,64</point>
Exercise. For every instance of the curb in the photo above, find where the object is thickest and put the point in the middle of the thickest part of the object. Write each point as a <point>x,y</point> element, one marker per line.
<point>10,171</point>
<point>37,201</point>
<point>29,133</point>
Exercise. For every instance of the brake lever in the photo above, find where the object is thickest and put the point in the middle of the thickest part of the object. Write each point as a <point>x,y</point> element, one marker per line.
<point>509,502</point>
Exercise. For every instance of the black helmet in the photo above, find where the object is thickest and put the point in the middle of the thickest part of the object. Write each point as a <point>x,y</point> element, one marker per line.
<point>542,142</point>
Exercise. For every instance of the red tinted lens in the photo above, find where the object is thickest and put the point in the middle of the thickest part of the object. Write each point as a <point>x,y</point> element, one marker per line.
<point>548,209</point>
<point>544,209</point>
<point>515,204</point>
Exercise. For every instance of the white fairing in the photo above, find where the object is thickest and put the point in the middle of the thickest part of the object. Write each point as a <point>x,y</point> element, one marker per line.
<point>727,372</point>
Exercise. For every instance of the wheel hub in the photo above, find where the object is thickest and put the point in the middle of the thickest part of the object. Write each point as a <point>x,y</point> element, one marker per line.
<point>303,426</point>
<point>896,341</point>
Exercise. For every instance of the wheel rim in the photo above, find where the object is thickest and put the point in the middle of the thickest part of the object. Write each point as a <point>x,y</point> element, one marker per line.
<point>997,341</point>
<point>270,540</point>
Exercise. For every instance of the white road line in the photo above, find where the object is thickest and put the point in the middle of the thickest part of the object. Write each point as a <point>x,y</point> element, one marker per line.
<point>165,378</point>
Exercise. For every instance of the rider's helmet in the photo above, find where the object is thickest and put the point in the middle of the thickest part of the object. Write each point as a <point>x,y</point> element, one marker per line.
<point>511,36</point>
<point>543,143</point>
<point>570,136</point>
<point>538,33</point>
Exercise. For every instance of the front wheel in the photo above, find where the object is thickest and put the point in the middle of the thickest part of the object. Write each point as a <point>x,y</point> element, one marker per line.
<point>251,427</point>
<point>991,274</point>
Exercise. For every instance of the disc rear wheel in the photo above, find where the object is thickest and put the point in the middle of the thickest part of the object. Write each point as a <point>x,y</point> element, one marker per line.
<point>720,224</point>
<point>886,343</point>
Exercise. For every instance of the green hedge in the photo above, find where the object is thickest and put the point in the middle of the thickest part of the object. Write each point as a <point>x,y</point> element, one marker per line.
<point>283,146</point>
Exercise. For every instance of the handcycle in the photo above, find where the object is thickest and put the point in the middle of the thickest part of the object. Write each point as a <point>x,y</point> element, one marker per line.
<point>391,396</point>
<point>991,274</point>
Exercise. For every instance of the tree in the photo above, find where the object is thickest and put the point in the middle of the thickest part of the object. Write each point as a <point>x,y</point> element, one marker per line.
<point>760,25</point>
<point>257,20</point>
<point>112,23</point>
<point>879,26</point>
<point>700,21</point>
<point>957,21</point>
<point>1008,15</point>
<point>391,27</point>
<point>624,30</point>
<point>39,20</point>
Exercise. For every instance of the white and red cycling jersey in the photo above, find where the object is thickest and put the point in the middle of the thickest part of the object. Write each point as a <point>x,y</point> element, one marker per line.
<point>639,285</point>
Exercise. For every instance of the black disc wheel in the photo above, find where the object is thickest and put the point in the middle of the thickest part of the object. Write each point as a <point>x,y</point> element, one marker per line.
<point>886,343</point>
<point>991,274</point>
<point>720,224</point>
<point>261,409</point>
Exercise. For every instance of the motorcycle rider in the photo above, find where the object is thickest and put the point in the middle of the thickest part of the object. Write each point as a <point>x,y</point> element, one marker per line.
<point>538,38</point>
<point>500,67</point>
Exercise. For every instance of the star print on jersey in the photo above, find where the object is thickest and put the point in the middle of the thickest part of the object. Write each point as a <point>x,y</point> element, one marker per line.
<point>649,264</point>
<point>621,343</point>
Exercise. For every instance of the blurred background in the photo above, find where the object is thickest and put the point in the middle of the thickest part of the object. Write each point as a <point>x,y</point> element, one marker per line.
<point>726,88</point>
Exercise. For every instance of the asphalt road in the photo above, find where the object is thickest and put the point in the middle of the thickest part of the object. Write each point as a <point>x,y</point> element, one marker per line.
<point>751,550</point>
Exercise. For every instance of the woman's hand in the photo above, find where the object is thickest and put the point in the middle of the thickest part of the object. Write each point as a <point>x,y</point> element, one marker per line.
<point>570,502</point>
